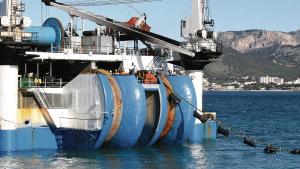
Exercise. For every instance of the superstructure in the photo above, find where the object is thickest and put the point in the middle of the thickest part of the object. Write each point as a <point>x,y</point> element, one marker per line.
<point>61,88</point>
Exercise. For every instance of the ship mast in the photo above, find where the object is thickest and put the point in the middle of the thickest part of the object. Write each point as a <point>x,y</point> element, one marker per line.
<point>197,15</point>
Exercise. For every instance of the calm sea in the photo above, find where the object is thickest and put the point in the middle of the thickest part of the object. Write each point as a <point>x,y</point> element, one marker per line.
<point>274,116</point>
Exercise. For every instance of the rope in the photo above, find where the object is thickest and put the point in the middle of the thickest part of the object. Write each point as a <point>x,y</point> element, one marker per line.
<point>8,121</point>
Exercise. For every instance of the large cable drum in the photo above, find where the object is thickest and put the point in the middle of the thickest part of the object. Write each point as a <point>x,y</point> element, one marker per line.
<point>134,112</point>
<point>50,34</point>
<point>42,36</point>
<point>157,112</point>
<point>184,120</point>
<point>86,113</point>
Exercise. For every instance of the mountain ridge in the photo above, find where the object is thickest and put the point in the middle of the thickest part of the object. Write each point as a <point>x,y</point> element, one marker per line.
<point>256,53</point>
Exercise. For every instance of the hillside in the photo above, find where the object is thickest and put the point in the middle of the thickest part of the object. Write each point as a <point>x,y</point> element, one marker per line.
<point>256,53</point>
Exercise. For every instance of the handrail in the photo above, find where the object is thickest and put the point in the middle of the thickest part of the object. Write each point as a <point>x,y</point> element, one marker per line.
<point>31,83</point>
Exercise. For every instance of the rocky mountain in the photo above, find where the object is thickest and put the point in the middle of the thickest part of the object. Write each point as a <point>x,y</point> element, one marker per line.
<point>246,41</point>
<point>255,53</point>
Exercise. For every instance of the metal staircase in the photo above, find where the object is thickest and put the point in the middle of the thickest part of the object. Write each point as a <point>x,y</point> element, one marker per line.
<point>42,98</point>
<point>156,64</point>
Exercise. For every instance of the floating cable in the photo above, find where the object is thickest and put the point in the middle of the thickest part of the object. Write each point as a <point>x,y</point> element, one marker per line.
<point>225,129</point>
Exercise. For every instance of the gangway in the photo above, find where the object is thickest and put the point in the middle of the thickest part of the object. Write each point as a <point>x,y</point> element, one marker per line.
<point>123,27</point>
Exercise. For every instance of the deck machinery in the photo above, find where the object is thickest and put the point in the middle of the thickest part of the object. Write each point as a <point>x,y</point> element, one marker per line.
<point>62,90</point>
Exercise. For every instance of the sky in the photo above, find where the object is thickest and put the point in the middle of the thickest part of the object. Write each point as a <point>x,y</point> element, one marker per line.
<point>164,16</point>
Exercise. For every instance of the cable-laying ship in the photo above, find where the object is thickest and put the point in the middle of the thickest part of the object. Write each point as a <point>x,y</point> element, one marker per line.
<point>80,90</point>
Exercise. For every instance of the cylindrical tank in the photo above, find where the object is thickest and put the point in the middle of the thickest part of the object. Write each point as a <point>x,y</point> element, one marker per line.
<point>184,120</point>
<point>134,112</point>
<point>197,78</point>
<point>42,35</point>
<point>8,107</point>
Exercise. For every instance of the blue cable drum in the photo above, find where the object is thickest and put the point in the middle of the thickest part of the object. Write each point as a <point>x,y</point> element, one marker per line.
<point>134,112</point>
<point>50,34</point>
<point>157,120</point>
<point>108,116</point>
<point>59,32</point>
<point>184,120</point>
<point>42,35</point>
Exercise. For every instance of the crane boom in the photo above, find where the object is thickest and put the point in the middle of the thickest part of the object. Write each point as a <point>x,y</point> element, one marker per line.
<point>123,27</point>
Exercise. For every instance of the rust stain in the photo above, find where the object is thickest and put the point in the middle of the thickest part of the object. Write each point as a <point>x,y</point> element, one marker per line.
<point>208,131</point>
<point>33,114</point>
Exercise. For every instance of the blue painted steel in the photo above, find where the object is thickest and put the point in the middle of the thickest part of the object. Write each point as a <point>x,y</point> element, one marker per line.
<point>42,35</point>
<point>29,138</point>
<point>59,31</point>
<point>109,106</point>
<point>8,140</point>
<point>51,33</point>
<point>134,112</point>
<point>35,138</point>
<point>76,140</point>
<point>184,120</point>
<point>163,114</point>
<point>204,131</point>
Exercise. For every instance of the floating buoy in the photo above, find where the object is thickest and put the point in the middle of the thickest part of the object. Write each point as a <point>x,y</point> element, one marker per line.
<point>271,150</point>
<point>223,131</point>
<point>249,142</point>
<point>295,151</point>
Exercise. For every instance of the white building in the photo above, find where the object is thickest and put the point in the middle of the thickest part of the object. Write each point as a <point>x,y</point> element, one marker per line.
<point>269,79</point>
<point>297,81</point>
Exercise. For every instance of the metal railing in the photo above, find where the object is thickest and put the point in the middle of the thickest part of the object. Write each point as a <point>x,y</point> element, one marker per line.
<point>82,123</point>
<point>41,82</point>
<point>77,48</point>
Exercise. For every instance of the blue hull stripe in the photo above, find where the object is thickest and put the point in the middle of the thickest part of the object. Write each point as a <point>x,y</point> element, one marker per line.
<point>27,139</point>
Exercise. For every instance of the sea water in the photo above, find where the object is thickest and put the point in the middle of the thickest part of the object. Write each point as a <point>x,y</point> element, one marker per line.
<point>272,116</point>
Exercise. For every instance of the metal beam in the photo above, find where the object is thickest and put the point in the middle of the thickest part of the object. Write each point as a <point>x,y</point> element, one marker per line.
<point>123,27</point>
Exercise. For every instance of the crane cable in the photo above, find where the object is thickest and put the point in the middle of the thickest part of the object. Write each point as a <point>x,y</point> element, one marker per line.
<point>103,2</point>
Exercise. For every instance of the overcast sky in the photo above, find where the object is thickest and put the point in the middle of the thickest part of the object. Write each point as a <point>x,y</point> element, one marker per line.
<point>164,16</point>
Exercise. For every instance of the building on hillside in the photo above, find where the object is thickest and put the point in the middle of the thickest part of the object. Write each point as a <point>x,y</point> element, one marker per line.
<point>297,81</point>
<point>269,79</point>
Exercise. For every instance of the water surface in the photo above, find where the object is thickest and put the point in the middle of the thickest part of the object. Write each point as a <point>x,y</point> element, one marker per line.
<point>274,116</point>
